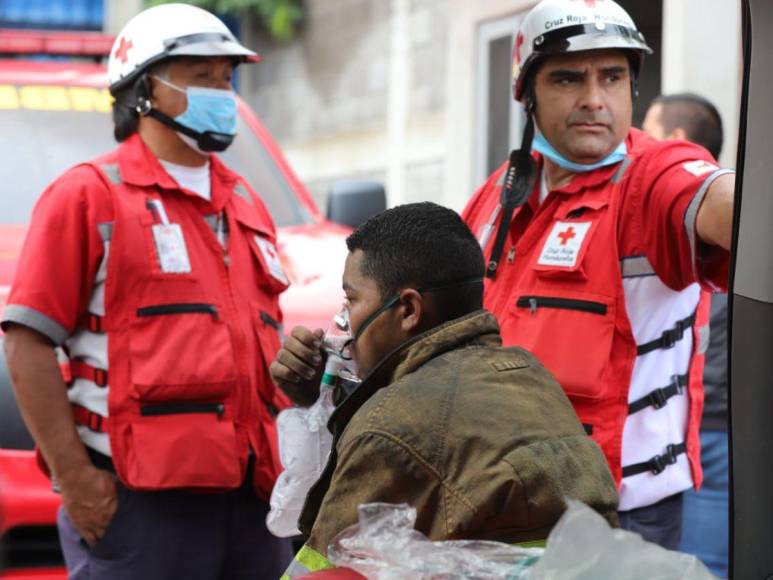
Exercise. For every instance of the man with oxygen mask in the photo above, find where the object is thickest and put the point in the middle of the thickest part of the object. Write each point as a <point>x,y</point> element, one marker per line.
<point>154,269</point>
<point>480,439</point>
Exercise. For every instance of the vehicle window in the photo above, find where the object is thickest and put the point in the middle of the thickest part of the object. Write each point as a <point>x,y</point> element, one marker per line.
<point>44,134</point>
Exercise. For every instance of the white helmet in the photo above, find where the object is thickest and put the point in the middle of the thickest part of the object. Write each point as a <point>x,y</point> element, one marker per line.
<point>560,26</point>
<point>169,30</point>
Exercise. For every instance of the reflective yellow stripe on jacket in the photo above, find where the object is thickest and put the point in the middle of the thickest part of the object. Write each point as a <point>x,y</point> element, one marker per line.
<point>306,561</point>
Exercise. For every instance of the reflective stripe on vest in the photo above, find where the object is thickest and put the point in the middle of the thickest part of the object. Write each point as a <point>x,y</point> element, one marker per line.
<point>242,192</point>
<point>636,267</point>
<point>307,560</point>
<point>112,172</point>
<point>105,231</point>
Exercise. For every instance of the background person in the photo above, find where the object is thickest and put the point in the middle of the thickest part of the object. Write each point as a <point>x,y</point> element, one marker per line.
<point>153,268</point>
<point>479,439</point>
<point>705,532</point>
<point>594,245</point>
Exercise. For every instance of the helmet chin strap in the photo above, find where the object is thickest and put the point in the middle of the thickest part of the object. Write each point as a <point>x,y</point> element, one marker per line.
<point>518,184</point>
<point>207,141</point>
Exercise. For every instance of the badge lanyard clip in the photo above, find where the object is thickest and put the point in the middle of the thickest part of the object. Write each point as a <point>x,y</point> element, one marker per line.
<point>157,207</point>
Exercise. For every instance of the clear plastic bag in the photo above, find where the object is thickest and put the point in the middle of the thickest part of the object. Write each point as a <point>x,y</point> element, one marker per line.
<point>384,546</point>
<point>304,440</point>
<point>582,546</point>
<point>304,445</point>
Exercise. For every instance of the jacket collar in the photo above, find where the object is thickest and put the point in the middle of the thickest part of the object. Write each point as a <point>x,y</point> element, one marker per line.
<point>140,167</point>
<point>479,327</point>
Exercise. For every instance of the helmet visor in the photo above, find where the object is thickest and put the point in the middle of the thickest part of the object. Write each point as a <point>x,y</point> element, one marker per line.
<point>590,37</point>
<point>208,44</point>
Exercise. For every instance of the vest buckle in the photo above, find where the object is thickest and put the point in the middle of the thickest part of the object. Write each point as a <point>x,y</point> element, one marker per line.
<point>673,335</point>
<point>658,398</point>
<point>95,422</point>
<point>659,463</point>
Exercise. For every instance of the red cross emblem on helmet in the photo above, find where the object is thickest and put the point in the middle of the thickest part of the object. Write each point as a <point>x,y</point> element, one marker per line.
<point>517,49</point>
<point>124,47</point>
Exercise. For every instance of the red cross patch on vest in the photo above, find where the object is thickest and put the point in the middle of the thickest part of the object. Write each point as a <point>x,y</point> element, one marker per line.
<point>562,247</point>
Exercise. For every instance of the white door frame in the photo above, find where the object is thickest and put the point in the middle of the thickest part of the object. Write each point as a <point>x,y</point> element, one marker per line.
<point>487,33</point>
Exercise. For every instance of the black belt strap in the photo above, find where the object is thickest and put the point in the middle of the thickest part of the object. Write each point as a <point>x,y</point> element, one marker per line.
<point>659,397</point>
<point>657,464</point>
<point>669,337</point>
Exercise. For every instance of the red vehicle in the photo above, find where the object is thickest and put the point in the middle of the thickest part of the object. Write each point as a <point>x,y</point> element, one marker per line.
<point>56,113</point>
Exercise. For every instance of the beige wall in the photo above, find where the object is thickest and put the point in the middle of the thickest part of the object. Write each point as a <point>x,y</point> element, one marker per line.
<point>118,13</point>
<point>467,16</point>
<point>359,94</point>
<point>702,45</point>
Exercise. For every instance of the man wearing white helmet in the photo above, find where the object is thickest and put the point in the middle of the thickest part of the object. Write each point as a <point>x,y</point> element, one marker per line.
<point>154,269</point>
<point>595,236</point>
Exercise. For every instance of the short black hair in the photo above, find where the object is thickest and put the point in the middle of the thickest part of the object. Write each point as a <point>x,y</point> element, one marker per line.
<point>422,245</point>
<point>696,115</point>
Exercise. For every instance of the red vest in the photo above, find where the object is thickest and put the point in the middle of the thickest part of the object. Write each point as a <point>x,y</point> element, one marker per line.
<point>573,318</point>
<point>190,393</point>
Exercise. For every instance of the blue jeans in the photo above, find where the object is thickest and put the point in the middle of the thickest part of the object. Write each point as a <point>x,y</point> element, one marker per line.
<point>706,512</point>
<point>659,523</point>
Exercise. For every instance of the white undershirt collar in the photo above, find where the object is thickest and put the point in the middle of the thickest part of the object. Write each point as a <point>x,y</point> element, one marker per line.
<point>195,179</point>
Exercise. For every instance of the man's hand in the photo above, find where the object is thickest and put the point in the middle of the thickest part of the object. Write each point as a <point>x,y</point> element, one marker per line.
<point>298,367</point>
<point>88,493</point>
<point>89,496</point>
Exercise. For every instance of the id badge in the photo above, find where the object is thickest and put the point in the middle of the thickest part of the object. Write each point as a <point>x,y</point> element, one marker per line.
<point>271,257</point>
<point>170,248</point>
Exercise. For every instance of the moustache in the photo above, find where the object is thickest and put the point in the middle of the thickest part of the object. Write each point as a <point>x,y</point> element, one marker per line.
<point>585,118</point>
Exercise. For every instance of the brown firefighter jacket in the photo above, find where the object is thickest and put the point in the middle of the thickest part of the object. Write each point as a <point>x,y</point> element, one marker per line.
<point>480,439</point>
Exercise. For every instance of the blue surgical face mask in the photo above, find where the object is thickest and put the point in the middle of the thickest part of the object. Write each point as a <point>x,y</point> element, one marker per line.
<point>208,111</point>
<point>541,145</point>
